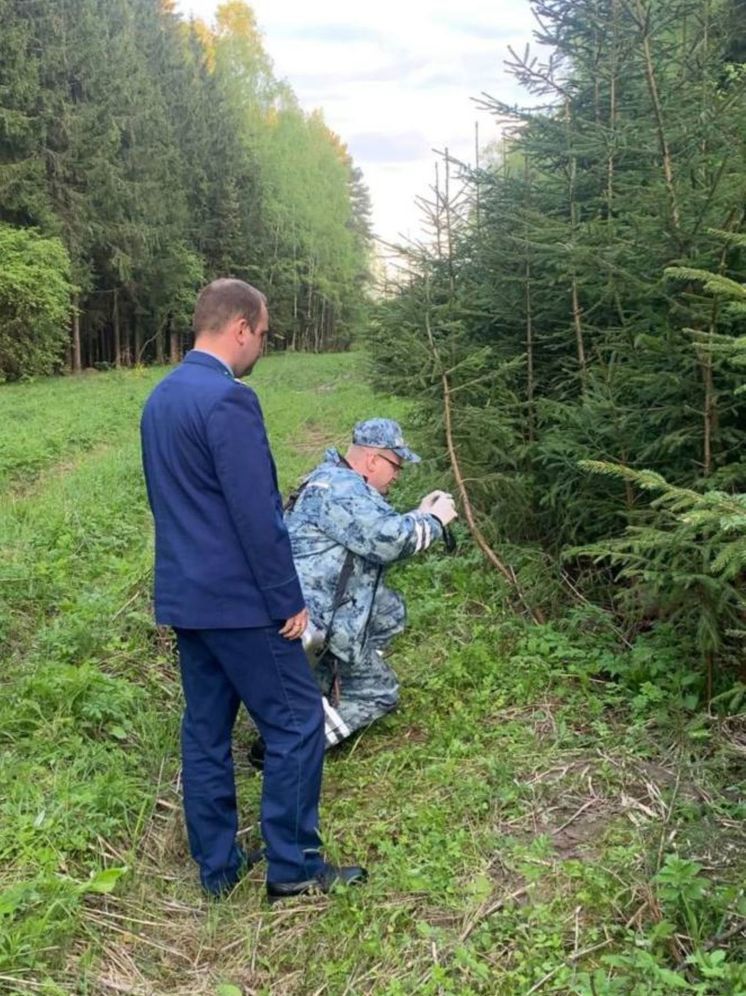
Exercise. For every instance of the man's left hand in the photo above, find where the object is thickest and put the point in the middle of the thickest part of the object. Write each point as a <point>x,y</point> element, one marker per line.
<point>294,626</point>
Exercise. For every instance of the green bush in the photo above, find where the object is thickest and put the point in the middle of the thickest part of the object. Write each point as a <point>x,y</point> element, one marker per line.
<point>34,302</point>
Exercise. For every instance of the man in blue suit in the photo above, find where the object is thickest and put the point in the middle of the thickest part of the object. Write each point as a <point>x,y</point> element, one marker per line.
<point>225,581</point>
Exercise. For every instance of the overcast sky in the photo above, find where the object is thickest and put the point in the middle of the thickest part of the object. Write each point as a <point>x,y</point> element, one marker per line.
<point>394,79</point>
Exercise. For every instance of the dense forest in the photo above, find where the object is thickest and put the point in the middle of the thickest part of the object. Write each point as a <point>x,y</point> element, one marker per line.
<point>141,156</point>
<point>575,330</point>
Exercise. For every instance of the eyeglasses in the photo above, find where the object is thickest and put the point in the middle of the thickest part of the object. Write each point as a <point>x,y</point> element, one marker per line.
<point>397,466</point>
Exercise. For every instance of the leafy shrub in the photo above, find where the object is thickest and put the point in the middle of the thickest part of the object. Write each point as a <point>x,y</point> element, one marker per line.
<point>34,302</point>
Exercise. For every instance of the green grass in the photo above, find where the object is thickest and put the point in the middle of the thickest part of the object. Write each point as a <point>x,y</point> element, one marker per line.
<point>525,827</point>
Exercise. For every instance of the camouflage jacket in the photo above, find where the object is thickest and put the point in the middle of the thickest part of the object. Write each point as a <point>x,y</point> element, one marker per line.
<point>336,510</point>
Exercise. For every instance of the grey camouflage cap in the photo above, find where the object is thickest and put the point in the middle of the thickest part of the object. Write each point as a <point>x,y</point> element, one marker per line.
<point>384,434</point>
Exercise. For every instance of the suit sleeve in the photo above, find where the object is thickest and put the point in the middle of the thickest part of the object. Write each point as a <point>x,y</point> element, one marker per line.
<point>374,530</point>
<point>246,473</point>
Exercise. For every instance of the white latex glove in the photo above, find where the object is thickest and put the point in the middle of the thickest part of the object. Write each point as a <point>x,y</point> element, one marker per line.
<point>441,505</point>
<point>427,501</point>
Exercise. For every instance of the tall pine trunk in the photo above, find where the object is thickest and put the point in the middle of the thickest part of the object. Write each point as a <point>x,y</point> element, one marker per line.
<point>117,330</point>
<point>529,310</point>
<point>174,346</point>
<point>137,340</point>
<point>77,364</point>
<point>643,21</point>
<point>577,314</point>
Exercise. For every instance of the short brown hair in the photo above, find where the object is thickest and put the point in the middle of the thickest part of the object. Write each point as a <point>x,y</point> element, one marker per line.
<point>225,299</point>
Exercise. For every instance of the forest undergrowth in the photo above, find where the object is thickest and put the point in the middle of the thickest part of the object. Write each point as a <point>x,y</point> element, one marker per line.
<point>534,818</point>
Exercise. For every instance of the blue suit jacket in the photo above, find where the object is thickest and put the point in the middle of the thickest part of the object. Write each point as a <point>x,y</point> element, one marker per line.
<point>222,553</point>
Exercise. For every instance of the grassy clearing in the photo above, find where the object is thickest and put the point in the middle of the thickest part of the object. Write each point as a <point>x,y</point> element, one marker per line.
<point>527,828</point>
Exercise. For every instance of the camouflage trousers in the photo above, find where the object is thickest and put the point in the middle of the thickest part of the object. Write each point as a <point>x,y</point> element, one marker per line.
<point>357,693</point>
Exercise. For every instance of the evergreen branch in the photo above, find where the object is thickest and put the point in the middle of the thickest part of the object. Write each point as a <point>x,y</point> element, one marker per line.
<point>714,283</point>
<point>715,514</point>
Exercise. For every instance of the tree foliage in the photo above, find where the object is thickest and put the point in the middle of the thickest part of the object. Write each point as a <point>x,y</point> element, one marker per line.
<point>163,154</point>
<point>562,300</point>
<point>34,302</point>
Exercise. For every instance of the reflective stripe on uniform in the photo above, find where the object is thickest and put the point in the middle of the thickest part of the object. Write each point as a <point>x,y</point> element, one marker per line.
<point>335,728</point>
<point>417,535</point>
<point>428,534</point>
<point>423,534</point>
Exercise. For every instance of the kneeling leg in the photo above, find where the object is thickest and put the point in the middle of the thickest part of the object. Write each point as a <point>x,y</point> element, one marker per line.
<point>367,691</point>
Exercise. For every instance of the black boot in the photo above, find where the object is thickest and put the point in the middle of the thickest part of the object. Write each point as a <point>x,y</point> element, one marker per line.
<point>325,881</point>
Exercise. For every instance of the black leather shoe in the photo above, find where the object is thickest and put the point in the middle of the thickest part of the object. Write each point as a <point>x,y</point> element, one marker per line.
<point>323,882</point>
<point>256,753</point>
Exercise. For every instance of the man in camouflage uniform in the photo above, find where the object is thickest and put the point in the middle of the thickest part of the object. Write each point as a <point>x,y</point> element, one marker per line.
<point>340,522</point>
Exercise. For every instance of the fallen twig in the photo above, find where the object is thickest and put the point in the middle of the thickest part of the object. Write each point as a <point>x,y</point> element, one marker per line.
<point>576,956</point>
<point>715,942</point>
<point>575,815</point>
<point>490,910</point>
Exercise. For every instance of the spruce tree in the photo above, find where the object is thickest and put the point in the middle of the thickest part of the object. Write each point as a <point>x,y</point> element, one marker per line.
<point>625,161</point>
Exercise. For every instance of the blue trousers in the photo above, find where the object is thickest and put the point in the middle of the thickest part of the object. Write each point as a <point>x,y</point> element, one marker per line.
<point>220,669</point>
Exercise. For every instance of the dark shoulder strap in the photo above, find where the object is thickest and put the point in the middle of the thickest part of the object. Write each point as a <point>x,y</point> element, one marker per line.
<point>342,582</point>
<point>293,497</point>
<point>339,594</point>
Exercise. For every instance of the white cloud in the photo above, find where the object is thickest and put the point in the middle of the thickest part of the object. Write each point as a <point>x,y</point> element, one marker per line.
<point>394,79</point>
<point>386,147</point>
